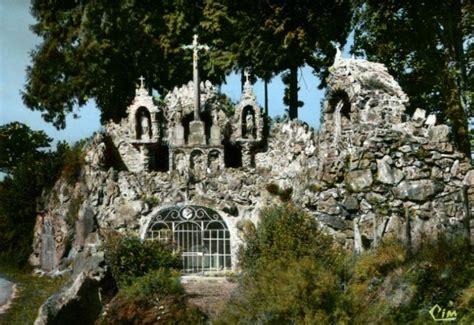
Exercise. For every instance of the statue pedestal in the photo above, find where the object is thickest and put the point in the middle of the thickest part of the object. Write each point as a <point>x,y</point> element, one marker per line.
<point>197,135</point>
<point>178,136</point>
<point>215,136</point>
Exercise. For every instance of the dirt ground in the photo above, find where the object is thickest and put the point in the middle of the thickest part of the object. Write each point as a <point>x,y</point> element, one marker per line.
<point>210,294</point>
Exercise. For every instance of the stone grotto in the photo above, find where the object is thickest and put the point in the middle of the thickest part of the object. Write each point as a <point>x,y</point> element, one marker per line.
<point>197,170</point>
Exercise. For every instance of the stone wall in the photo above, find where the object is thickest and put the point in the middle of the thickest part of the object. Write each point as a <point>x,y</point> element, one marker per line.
<point>370,172</point>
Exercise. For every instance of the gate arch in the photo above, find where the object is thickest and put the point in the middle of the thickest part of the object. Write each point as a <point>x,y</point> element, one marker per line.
<point>200,234</point>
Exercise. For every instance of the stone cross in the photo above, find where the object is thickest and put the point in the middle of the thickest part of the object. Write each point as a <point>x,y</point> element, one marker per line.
<point>196,47</point>
<point>247,75</point>
<point>142,80</point>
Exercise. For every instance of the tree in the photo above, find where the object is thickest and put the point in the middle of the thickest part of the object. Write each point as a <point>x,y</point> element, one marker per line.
<point>29,169</point>
<point>99,49</point>
<point>429,47</point>
<point>278,36</point>
<point>18,143</point>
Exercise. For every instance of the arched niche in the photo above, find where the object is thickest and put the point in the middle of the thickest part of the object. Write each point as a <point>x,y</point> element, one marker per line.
<point>248,123</point>
<point>197,163</point>
<point>339,103</point>
<point>214,161</point>
<point>199,233</point>
<point>143,124</point>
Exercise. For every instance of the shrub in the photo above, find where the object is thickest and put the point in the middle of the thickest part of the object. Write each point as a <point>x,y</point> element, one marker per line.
<point>291,273</point>
<point>283,194</point>
<point>155,298</point>
<point>286,232</point>
<point>129,257</point>
<point>73,160</point>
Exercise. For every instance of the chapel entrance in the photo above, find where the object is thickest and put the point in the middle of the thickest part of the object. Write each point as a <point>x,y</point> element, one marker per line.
<point>200,235</point>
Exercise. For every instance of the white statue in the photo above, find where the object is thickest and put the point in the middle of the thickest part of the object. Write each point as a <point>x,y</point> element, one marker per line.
<point>249,126</point>
<point>145,126</point>
<point>180,163</point>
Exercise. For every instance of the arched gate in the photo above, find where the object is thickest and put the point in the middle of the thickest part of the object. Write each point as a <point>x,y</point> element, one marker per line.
<point>199,233</point>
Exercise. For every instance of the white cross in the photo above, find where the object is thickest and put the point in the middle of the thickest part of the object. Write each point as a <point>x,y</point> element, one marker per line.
<point>247,75</point>
<point>142,85</point>
<point>195,46</point>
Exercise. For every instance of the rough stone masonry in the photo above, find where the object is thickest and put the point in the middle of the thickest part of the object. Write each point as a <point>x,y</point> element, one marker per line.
<point>371,171</point>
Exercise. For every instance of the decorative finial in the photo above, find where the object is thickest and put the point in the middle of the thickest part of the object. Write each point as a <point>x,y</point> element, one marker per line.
<point>142,82</point>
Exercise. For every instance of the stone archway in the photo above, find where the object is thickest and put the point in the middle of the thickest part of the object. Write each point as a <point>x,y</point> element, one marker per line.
<point>200,234</point>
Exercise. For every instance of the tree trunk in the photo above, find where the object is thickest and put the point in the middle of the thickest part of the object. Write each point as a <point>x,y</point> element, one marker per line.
<point>265,82</point>
<point>293,100</point>
<point>457,115</point>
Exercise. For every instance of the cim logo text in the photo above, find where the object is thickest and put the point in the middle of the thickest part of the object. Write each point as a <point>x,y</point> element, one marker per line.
<point>442,314</point>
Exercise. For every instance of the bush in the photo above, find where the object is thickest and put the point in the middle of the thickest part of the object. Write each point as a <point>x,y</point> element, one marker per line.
<point>155,298</point>
<point>291,273</point>
<point>283,194</point>
<point>286,232</point>
<point>129,257</point>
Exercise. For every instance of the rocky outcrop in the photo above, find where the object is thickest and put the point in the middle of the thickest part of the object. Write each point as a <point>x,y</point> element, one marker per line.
<point>81,300</point>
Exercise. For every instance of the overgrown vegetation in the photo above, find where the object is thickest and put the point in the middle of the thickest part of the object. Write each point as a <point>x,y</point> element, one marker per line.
<point>129,257</point>
<point>32,291</point>
<point>155,298</point>
<point>293,273</point>
<point>150,291</point>
<point>28,170</point>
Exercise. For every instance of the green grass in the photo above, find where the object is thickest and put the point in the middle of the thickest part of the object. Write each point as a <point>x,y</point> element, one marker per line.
<point>32,291</point>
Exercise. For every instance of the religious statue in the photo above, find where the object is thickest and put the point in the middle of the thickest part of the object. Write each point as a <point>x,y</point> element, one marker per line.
<point>214,162</point>
<point>177,118</point>
<point>145,126</point>
<point>180,163</point>
<point>198,165</point>
<point>249,126</point>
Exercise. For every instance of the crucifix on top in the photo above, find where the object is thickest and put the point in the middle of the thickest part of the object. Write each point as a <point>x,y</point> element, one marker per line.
<point>196,47</point>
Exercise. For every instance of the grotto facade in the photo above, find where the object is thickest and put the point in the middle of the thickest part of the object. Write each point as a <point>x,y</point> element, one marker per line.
<point>199,171</point>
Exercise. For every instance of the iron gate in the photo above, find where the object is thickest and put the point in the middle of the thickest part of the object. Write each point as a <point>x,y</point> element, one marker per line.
<point>200,235</point>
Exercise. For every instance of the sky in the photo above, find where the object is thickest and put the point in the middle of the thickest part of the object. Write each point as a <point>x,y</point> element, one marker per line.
<point>17,41</point>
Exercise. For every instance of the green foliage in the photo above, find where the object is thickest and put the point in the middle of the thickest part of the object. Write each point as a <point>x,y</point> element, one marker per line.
<point>155,298</point>
<point>293,273</point>
<point>73,210</point>
<point>290,273</point>
<point>283,194</point>
<point>18,143</point>
<point>130,257</point>
<point>151,200</point>
<point>154,285</point>
<point>271,38</point>
<point>29,171</point>
<point>73,160</point>
<point>32,291</point>
<point>98,50</point>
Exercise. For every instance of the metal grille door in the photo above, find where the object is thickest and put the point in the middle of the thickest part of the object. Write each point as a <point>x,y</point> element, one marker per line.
<point>200,234</point>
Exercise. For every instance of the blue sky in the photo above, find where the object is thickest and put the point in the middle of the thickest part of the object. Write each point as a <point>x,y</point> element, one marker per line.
<point>17,41</point>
